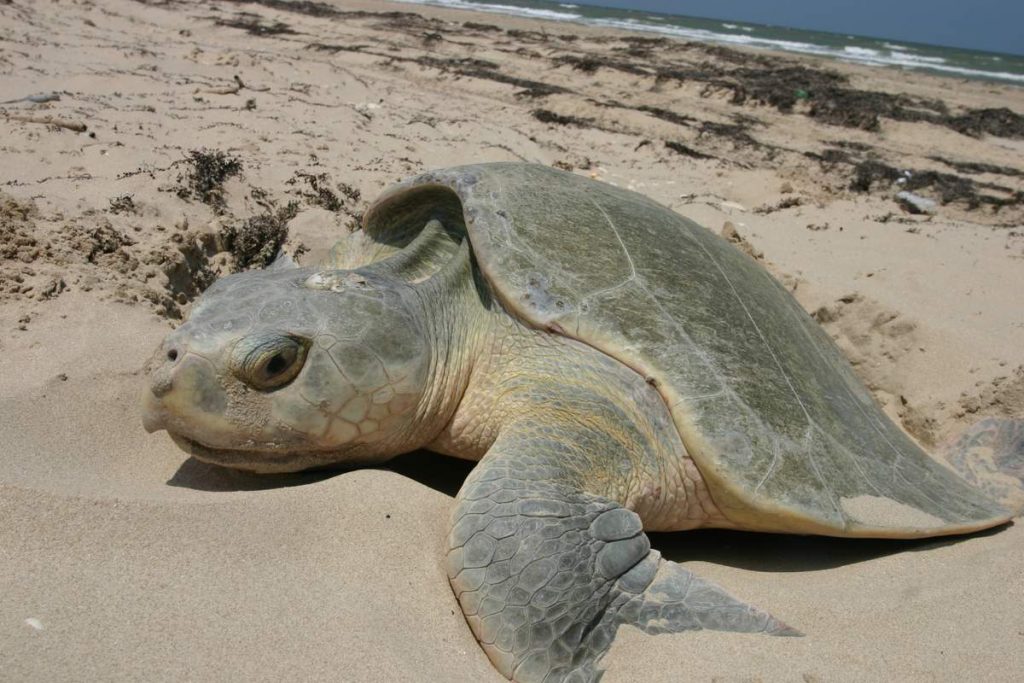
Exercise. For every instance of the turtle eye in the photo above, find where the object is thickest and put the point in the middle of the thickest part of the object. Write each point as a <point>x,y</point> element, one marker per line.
<point>270,362</point>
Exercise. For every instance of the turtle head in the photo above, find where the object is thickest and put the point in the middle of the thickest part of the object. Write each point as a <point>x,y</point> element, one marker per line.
<point>287,369</point>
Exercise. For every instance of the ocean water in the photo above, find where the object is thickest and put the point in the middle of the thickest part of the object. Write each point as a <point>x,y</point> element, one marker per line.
<point>948,61</point>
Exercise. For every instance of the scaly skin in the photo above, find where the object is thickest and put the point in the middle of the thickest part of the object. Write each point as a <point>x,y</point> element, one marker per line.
<point>547,553</point>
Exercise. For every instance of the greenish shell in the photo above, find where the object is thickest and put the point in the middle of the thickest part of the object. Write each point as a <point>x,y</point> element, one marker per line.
<point>786,435</point>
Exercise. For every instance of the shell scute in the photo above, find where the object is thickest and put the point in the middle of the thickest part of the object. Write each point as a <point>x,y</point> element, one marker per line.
<point>785,434</point>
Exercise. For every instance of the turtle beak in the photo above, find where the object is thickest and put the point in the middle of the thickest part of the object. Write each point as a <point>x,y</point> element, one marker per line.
<point>183,395</point>
<point>159,375</point>
<point>153,418</point>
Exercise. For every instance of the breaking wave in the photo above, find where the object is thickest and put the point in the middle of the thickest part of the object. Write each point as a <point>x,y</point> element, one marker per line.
<point>859,50</point>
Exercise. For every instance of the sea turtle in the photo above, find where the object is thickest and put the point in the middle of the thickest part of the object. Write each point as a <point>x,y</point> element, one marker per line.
<point>613,367</point>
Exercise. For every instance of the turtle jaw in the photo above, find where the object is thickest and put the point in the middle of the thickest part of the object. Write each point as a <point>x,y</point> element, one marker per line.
<point>157,416</point>
<point>262,462</point>
<point>272,461</point>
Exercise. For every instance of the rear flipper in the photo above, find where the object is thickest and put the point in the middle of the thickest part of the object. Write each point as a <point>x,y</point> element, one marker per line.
<point>546,574</point>
<point>990,455</point>
<point>678,600</point>
<point>674,601</point>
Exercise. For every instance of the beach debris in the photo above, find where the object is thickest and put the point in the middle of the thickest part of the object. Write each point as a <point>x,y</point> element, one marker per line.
<point>667,115</point>
<point>685,150</point>
<point>784,203</point>
<point>1001,122</point>
<point>474,26</point>
<point>122,204</point>
<point>39,98</point>
<point>947,187</point>
<point>239,85</point>
<point>548,116</point>
<point>732,206</point>
<point>475,68</point>
<point>589,64</point>
<point>826,95</point>
<point>76,126</point>
<point>976,167</point>
<point>735,132</point>
<point>228,90</point>
<point>733,236</point>
<point>914,203</point>
<point>256,242</point>
<point>207,170</point>
<point>254,26</point>
<point>316,189</point>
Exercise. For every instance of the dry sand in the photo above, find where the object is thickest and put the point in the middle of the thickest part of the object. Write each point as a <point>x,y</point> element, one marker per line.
<point>121,559</point>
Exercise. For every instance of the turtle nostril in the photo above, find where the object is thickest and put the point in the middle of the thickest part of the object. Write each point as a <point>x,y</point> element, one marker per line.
<point>172,355</point>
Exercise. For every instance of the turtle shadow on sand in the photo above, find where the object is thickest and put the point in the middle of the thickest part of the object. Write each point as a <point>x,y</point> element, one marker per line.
<point>774,553</point>
<point>751,551</point>
<point>439,472</point>
<point>201,476</point>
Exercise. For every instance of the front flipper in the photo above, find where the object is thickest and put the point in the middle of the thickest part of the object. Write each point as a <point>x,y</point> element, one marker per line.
<point>546,573</point>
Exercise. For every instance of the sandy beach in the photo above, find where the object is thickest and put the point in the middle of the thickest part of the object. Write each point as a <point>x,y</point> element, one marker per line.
<point>148,147</point>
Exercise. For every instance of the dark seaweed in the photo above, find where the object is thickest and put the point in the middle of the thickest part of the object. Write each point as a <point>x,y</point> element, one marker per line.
<point>680,148</point>
<point>591,63</point>
<point>946,187</point>
<point>1000,122</point>
<point>474,26</point>
<point>547,116</point>
<point>666,115</point>
<point>256,242</point>
<point>974,167</point>
<point>205,174</point>
<point>253,25</point>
